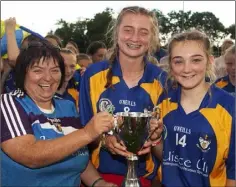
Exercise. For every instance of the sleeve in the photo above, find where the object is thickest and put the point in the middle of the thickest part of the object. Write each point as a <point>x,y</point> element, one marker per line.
<point>230,162</point>
<point>14,119</point>
<point>85,104</point>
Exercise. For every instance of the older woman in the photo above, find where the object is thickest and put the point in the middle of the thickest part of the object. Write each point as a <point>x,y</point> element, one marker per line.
<point>42,142</point>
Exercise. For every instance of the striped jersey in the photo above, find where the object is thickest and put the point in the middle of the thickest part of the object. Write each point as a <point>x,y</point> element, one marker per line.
<point>21,116</point>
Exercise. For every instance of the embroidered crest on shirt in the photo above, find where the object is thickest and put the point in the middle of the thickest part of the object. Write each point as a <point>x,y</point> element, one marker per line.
<point>204,143</point>
<point>106,105</point>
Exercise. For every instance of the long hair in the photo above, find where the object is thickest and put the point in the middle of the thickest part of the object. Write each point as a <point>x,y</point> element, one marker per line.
<point>113,32</point>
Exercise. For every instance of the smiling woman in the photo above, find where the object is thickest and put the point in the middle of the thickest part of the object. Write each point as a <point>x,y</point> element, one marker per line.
<point>42,141</point>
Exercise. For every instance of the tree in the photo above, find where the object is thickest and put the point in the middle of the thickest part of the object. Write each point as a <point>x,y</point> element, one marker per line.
<point>210,24</point>
<point>164,25</point>
<point>179,21</point>
<point>97,27</point>
<point>231,31</point>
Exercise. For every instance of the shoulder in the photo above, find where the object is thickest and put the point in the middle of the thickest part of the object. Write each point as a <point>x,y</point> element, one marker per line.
<point>157,73</point>
<point>222,82</point>
<point>222,98</point>
<point>96,68</point>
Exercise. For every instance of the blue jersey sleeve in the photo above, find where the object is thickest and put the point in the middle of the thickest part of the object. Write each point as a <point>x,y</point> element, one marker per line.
<point>85,105</point>
<point>230,162</point>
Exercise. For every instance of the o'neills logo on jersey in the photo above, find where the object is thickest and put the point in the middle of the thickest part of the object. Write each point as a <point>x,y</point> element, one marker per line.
<point>204,143</point>
<point>106,105</point>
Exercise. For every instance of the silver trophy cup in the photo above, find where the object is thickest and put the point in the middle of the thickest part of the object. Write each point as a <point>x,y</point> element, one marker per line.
<point>132,128</point>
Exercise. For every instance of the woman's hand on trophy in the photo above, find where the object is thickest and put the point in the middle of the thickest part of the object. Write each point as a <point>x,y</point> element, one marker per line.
<point>115,147</point>
<point>100,123</point>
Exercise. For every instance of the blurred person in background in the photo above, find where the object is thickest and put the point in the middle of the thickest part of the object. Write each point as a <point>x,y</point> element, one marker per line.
<point>220,69</point>
<point>97,51</point>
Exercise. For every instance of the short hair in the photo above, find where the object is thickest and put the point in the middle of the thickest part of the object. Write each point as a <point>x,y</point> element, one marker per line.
<point>55,37</point>
<point>94,46</point>
<point>83,56</point>
<point>31,38</point>
<point>31,55</point>
<point>74,44</point>
<point>230,51</point>
<point>226,44</point>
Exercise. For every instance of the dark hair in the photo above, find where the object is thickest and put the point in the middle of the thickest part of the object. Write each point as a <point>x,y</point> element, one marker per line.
<point>31,38</point>
<point>94,46</point>
<point>74,45</point>
<point>31,55</point>
<point>55,37</point>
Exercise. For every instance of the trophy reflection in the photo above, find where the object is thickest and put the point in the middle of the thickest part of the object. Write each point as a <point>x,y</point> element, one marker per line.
<point>133,129</point>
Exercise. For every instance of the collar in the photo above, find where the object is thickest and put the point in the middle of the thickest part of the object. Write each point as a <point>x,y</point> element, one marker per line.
<point>148,75</point>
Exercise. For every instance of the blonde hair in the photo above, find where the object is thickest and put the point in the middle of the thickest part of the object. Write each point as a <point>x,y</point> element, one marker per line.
<point>113,31</point>
<point>193,35</point>
<point>226,44</point>
<point>230,51</point>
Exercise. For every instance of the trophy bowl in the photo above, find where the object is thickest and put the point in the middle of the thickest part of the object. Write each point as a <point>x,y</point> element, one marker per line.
<point>133,129</point>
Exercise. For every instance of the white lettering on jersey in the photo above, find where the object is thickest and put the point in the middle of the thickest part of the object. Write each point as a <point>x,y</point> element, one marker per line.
<point>127,102</point>
<point>199,166</point>
<point>182,129</point>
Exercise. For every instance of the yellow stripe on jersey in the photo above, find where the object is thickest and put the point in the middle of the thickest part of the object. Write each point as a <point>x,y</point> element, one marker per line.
<point>149,165</point>
<point>95,155</point>
<point>221,124</point>
<point>151,89</point>
<point>99,81</point>
<point>75,94</point>
<point>166,107</point>
<point>222,84</point>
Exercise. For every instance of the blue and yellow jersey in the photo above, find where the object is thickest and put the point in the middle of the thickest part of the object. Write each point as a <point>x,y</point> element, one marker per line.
<point>94,97</point>
<point>199,147</point>
<point>225,84</point>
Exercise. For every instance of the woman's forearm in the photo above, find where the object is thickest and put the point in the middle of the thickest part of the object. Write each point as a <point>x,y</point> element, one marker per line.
<point>45,152</point>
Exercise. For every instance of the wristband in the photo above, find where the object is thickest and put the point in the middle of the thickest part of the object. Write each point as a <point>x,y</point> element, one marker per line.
<point>96,181</point>
<point>157,142</point>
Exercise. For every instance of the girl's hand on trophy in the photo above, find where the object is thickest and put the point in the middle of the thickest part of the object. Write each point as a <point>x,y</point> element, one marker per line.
<point>115,147</point>
<point>156,128</point>
<point>146,148</point>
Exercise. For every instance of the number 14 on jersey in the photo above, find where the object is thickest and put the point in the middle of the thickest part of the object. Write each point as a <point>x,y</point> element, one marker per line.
<point>180,140</point>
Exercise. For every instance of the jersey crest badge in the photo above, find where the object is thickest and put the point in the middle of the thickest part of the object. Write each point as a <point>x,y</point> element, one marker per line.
<point>204,143</point>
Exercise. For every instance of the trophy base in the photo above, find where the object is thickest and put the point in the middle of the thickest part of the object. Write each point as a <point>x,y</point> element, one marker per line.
<point>131,183</point>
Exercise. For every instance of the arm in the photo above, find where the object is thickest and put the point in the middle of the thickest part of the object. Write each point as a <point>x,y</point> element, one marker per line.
<point>26,150</point>
<point>90,175</point>
<point>12,47</point>
<point>158,150</point>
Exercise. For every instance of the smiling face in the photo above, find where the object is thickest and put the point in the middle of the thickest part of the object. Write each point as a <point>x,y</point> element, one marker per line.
<point>70,64</point>
<point>189,63</point>
<point>42,80</point>
<point>134,35</point>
